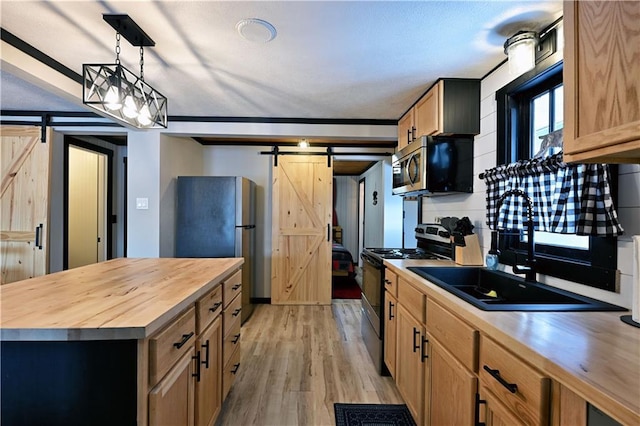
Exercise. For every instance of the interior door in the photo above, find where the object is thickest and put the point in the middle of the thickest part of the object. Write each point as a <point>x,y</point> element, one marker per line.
<point>24,200</point>
<point>301,230</point>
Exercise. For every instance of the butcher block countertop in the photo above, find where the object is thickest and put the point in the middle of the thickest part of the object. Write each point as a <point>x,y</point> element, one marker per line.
<point>125,298</point>
<point>594,354</point>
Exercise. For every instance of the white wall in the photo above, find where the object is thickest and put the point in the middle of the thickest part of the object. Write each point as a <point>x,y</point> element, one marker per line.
<point>247,162</point>
<point>474,205</point>
<point>178,157</point>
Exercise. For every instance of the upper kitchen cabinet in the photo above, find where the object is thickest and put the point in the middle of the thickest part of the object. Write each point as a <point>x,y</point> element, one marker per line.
<point>602,88</point>
<point>450,107</point>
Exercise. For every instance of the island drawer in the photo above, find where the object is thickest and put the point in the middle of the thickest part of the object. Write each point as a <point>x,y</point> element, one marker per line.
<point>412,300</point>
<point>231,287</point>
<point>455,335</point>
<point>231,314</point>
<point>170,343</point>
<point>208,307</point>
<point>519,386</point>
<point>231,340</point>
<point>391,282</point>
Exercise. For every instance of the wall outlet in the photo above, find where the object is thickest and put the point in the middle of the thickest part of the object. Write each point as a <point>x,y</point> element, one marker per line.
<point>142,203</point>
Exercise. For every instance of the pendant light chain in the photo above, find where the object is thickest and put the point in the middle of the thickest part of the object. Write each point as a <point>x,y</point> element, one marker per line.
<point>117,48</point>
<point>142,63</point>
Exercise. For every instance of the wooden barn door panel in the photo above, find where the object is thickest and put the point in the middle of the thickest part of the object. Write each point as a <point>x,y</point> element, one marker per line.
<point>302,208</point>
<point>24,203</point>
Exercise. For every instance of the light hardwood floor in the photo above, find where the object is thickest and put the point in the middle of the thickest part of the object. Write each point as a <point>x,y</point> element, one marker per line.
<point>297,361</point>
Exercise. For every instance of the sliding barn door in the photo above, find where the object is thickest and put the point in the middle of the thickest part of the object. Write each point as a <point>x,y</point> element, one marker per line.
<point>24,162</point>
<point>301,234</point>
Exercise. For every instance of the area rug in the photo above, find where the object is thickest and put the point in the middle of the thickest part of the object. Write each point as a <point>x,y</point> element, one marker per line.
<point>344,288</point>
<point>373,415</point>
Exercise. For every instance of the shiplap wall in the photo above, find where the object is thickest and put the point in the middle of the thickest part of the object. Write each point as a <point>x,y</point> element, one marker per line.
<point>473,205</point>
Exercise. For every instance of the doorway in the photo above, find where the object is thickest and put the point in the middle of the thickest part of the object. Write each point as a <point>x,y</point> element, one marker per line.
<point>88,193</point>
<point>361,195</point>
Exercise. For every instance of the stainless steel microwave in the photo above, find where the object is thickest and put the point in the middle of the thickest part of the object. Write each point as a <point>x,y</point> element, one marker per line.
<point>434,165</point>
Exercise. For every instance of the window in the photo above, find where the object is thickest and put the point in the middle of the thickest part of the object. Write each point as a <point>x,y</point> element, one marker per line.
<point>529,108</point>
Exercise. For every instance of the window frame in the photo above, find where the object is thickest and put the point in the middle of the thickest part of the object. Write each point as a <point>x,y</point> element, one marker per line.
<point>513,144</point>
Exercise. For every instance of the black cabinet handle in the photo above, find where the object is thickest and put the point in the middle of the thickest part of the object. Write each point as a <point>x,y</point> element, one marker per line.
<point>423,349</point>
<point>215,306</point>
<point>391,316</point>
<point>512,387</point>
<point>416,333</point>
<point>236,312</point>
<point>477,413</point>
<point>413,133</point>
<point>206,357</point>
<point>387,282</point>
<point>235,338</point>
<point>185,337</point>
<point>197,373</point>
<point>328,232</point>
<point>408,135</point>
<point>235,368</point>
<point>237,286</point>
<point>39,236</point>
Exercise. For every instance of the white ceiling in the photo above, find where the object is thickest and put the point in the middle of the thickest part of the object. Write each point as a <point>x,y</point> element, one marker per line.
<point>330,59</point>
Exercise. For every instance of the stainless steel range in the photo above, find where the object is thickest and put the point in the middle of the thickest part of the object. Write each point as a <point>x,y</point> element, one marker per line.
<point>433,241</point>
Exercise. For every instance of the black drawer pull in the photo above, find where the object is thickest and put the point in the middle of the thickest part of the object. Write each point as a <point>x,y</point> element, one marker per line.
<point>416,333</point>
<point>185,337</point>
<point>236,312</point>
<point>198,366</point>
<point>237,286</point>
<point>235,338</point>
<point>235,368</point>
<point>424,351</point>
<point>512,387</point>
<point>387,282</point>
<point>391,316</point>
<point>215,306</point>
<point>206,357</point>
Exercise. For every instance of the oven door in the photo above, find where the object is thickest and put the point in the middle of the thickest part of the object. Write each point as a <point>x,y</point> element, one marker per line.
<point>372,279</point>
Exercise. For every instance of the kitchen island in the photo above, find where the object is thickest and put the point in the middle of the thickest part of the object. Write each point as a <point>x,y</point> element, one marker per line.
<point>581,357</point>
<point>83,346</point>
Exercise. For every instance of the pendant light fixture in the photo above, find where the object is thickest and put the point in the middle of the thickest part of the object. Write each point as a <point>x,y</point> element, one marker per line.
<point>116,92</point>
<point>521,50</point>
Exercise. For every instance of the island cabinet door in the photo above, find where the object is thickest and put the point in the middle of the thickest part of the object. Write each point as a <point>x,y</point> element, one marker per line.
<point>209,381</point>
<point>171,401</point>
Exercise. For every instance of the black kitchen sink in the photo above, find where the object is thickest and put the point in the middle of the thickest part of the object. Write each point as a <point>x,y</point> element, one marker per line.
<point>499,291</point>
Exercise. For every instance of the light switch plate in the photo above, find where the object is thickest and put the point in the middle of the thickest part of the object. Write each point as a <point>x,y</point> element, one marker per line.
<point>142,203</point>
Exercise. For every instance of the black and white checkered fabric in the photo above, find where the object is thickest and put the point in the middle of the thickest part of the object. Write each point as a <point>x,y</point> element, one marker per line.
<point>567,198</point>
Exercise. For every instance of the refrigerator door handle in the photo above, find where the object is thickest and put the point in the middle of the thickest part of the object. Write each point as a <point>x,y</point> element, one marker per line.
<point>246,226</point>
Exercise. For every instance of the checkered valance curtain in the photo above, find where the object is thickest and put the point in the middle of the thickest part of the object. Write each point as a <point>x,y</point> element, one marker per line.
<point>567,198</point>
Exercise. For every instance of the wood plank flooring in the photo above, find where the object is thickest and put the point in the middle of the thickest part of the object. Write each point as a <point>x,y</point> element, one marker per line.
<point>296,361</point>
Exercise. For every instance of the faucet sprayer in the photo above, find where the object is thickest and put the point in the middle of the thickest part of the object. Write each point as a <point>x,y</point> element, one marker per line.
<point>529,263</point>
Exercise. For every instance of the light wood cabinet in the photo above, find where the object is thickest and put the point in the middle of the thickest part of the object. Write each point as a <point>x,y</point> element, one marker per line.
<point>453,389</point>
<point>410,363</point>
<point>406,129</point>
<point>521,389</point>
<point>171,400</point>
<point>450,107</point>
<point>390,332</point>
<point>209,375</point>
<point>601,84</point>
<point>231,315</point>
<point>494,412</point>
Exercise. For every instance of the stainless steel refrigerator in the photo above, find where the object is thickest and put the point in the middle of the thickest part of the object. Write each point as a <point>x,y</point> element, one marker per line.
<point>215,217</point>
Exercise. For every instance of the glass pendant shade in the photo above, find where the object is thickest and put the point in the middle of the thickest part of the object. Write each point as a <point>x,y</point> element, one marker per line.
<point>114,91</point>
<point>521,50</point>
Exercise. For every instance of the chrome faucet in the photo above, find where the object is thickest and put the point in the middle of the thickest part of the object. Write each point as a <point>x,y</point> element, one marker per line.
<point>529,263</point>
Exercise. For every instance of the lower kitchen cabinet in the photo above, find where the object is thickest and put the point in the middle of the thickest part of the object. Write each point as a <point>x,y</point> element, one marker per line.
<point>390,333</point>
<point>410,366</point>
<point>209,375</point>
<point>495,413</point>
<point>171,400</point>
<point>453,389</point>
